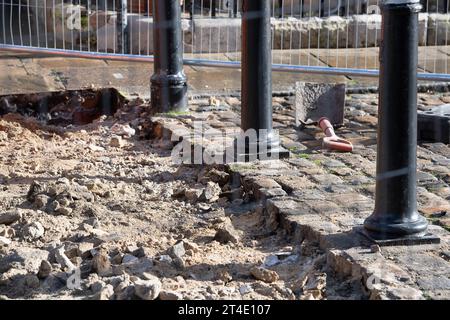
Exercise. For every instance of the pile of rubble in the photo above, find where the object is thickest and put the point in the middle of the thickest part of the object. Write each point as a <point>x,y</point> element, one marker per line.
<point>85,217</point>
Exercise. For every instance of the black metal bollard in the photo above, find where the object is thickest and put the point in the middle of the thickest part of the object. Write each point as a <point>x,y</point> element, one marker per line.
<point>395,215</point>
<point>256,110</point>
<point>168,83</point>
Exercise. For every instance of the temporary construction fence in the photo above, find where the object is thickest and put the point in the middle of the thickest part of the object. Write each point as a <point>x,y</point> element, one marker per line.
<point>317,36</point>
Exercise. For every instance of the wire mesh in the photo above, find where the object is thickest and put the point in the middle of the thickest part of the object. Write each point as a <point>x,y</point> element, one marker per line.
<point>326,34</point>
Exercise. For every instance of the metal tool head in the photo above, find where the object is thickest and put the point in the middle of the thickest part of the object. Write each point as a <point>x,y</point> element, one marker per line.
<point>316,100</point>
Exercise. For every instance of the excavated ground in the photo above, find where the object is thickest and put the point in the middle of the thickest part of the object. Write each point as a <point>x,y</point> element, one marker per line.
<point>99,211</point>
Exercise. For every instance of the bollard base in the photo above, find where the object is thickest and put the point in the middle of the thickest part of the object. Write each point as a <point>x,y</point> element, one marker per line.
<point>168,93</point>
<point>280,153</point>
<point>261,150</point>
<point>410,240</point>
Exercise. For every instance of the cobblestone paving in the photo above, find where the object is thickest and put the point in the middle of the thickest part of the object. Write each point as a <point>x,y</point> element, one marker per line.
<point>320,196</point>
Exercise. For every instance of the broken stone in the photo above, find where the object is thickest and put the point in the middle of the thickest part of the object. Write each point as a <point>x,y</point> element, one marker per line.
<point>141,252</point>
<point>33,231</point>
<point>165,258</point>
<point>44,270</point>
<point>101,264</point>
<point>72,251</point>
<point>32,281</point>
<point>177,250</point>
<point>148,289</point>
<point>227,233</point>
<point>214,175</point>
<point>128,258</point>
<point>179,263</point>
<point>54,206</point>
<point>307,296</point>
<point>35,189</point>
<point>29,258</point>
<point>106,293</point>
<point>192,195</point>
<point>224,276</point>
<point>41,201</point>
<point>271,261</point>
<point>264,274</point>
<point>170,295</point>
<point>315,284</point>
<point>8,218</point>
<point>94,147</point>
<point>246,288</point>
<point>177,193</point>
<point>124,291</point>
<point>117,259</point>
<point>136,268</point>
<point>84,248</point>
<point>97,286</point>
<point>123,130</point>
<point>7,232</point>
<point>380,291</point>
<point>65,211</point>
<point>204,207</point>
<point>4,242</point>
<point>116,142</point>
<point>188,245</point>
<point>211,192</point>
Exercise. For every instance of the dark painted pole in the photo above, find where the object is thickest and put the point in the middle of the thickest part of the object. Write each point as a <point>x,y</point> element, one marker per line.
<point>256,111</point>
<point>235,8</point>
<point>168,83</point>
<point>213,8</point>
<point>395,214</point>
<point>122,26</point>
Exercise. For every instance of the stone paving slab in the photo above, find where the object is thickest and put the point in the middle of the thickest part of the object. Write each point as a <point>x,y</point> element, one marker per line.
<point>321,196</point>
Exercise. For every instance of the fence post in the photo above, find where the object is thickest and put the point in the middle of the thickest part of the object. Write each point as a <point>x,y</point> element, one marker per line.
<point>256,110</point>
<point>213,8</point>
<point>395,215</point>
<point>168,83</point>
<point>122,35</point>
<point>235,8</point>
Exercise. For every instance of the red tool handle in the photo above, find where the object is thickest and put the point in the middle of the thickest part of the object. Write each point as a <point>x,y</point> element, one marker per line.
<point>327,127</point>
<point>332,141</point>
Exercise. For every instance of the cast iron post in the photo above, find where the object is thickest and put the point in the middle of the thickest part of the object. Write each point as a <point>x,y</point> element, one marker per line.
<point>256,110</point>
<point>396,215</point>
<point>168,83</point>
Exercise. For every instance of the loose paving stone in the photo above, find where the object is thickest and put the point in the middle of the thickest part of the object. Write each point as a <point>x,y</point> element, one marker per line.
<point>33,231</point>
<point>148,289</point>
<point>227,233</point>
<point>263,274</point>
<point>8,218</point>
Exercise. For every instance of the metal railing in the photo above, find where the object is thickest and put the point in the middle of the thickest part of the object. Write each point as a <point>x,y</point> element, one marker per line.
<point>315,36</point>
